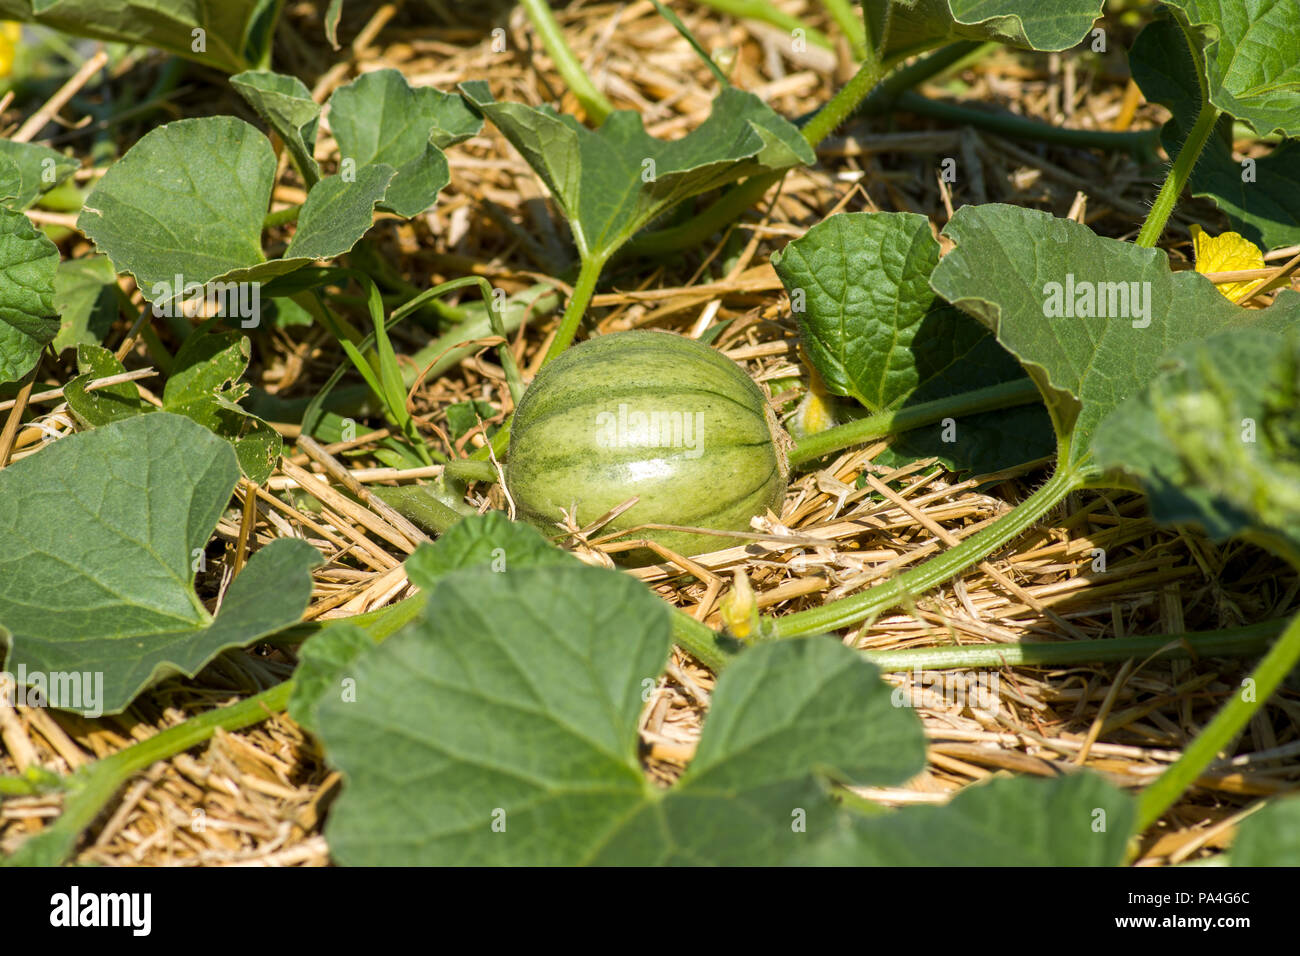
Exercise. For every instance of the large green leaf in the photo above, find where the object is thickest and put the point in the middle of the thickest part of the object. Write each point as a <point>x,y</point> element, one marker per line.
<point>502,728</point>
<point>285,103</point>
<point>380,120</point>
<point>1214,438</point>
<point>225,34</point>
<point>1031,277</point>
<point>877,332</point>
<point>28,263</point>
<point>1252,58</point>
<point>490,540</point>
<point>27,171</point>
<point>100,535</point>
<point>1264,205</point>
<point>612,182</point>
<point>916,25</point>
<point>187,199</point>
<point>1079,820</point>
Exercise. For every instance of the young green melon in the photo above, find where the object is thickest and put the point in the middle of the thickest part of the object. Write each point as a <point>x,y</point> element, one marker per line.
<point>650,414</point>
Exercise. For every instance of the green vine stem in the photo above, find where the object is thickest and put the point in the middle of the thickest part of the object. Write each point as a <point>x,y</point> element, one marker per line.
<point>1139,143</point>
<point>593,102</point>
<point>1003,395</point>
<point>1181,171</point>
<point>282,216</point>
<point>923,577</point>
<point>1233,642</point>
<point>1218,734</point>
<point>576,307</point>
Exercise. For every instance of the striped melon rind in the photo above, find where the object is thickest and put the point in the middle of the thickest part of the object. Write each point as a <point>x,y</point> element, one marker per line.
<point>713,461</point>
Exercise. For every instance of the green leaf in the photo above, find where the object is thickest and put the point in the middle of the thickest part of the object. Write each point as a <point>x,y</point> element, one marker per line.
<point>1079,820</point>
<point>28,171</point>
<point>203,387</point>
<point>103,405</point>
<point>1252,58</point>
<point>1214,440</point>
<point>379,119</point>
<point>233,33</point>
<point>1269,837</point>
<point>916,25</point>
<point>99,534</point>
<point>462,416</point>
<point>285,103</point>
<point>85,297</point>
<point>1030,277</point>
<point>490,540</point>
<point>1264,206</point>
<point>878,333</point>
<point>324,661</point>
<point>612,182</point>
<point>28,263</point>
<point>332,15</point>
<point>517,702</point>
<point>337,213</point>
<point>186,200</point>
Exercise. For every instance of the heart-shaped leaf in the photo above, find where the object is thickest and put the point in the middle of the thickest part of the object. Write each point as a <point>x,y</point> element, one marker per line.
<point>1090,318</point>
<point>28,263</point>
<point>612,182</point>
<point>917,25</point>
<point>188,199</point>
<point>518,702</point>
<point>859,284</point>
<point>380,120</point>
<point>100,536</point>
<point>1261,197</point>
<point>1252,58</point>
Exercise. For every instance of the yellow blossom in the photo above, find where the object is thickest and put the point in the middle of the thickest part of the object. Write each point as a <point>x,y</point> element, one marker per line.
<point>10,33</point>
<point>1226,252</point>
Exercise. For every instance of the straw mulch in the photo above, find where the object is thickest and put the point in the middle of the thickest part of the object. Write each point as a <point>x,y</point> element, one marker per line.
<point>260,796</point>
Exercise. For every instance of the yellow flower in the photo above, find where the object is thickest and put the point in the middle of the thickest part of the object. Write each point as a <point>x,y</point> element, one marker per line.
<point>10,33</point>
<point>816,412</point>
<point>1227,252</point>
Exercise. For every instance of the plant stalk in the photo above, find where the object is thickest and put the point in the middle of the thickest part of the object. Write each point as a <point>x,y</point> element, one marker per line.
<point>576,307</point>
<point>856,608</point>
<point>593,102</point>
<point>1178,176</point>
<point>1234,642</point>
<point>1227,723</point>
<point>1003,395</point>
